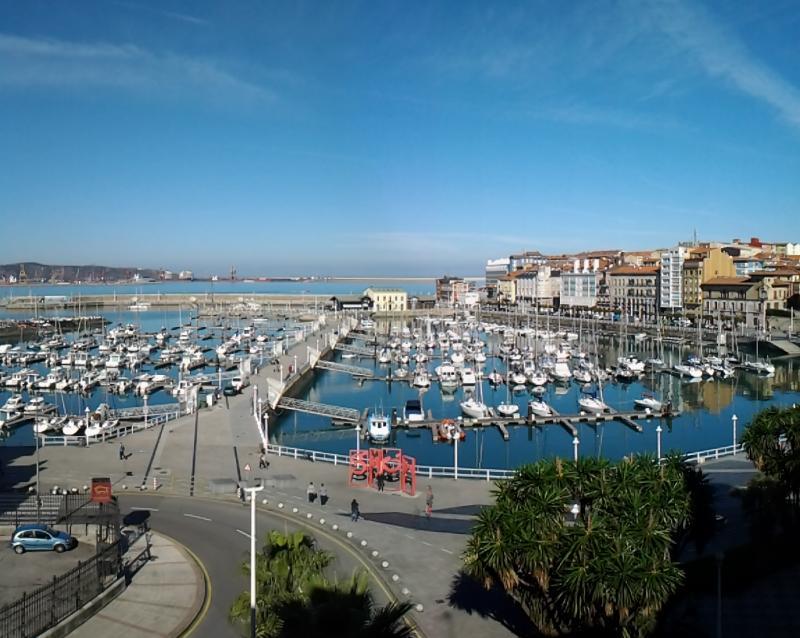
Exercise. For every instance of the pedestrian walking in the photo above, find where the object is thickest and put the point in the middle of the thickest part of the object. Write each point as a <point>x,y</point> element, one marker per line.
<point>121,451</point>
<point>262,461</point>
<point>311,492</point>
<point>355,513</point>
<point>429,501</point>
<point>379,482</point>
<point>240,493</point>
<point>323,494</point>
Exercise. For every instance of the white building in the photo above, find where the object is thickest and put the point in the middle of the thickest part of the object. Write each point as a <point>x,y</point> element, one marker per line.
<point>579,288</point>
<point>185,274</point>
<point>672,277</point>
<point>536,287</point>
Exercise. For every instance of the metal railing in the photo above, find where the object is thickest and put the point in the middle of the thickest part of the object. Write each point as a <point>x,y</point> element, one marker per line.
<point>119,431</point>
<point>36,612</point>
<point>486,474</point>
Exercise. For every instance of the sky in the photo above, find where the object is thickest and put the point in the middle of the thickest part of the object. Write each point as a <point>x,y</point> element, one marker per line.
<point>391,138</point>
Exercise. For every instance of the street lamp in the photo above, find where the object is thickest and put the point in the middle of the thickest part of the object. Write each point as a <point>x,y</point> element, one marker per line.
<point>659,430</point>
<point>575,443</point>
<point>253,490</point>
<point>358,438</point>
<point>734,419</point>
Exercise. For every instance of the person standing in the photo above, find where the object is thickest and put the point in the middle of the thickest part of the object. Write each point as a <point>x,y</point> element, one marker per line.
<point>429,501</point>
<point>311,492</point>
<point>355,513</point>
<point>323,494</point>
<point>381,480</point>
<point>121,451</point>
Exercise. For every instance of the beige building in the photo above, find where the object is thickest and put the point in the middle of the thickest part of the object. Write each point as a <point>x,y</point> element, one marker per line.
<point>507,289</point>
<point>633,291</point>
<point>387,299</point>
<point>702,265</point>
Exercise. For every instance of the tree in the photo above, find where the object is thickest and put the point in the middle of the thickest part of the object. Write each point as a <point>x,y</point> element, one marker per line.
<point>772,443</point>
<point>585,547</point>
<point>344,611</point>
<point>295,598</point>
<point>287,569</point>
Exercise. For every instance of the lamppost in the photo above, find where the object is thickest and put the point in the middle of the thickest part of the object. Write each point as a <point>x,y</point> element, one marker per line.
<point>575,443</point>
<point>262,420</point>
<point>358,438</point>
<point>455,456</point>
<point>295,364</point>
<point>253,490</point>
<point>659,430</point>
<point>734,419</point>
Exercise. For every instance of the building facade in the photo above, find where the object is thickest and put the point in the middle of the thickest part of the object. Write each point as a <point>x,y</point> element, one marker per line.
<point>579,289</point>
<point>634,291</point>
<point>702,265</point>
<point>452,291</point>
<point>388,299</point>
<point>535,286</point>
<point>671,288</point>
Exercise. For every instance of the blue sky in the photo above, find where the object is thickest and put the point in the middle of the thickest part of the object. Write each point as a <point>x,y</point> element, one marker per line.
<point>391,137</point>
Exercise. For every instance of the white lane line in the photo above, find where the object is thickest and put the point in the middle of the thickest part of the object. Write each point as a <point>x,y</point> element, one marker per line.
<point>426,543</point>
<point>445,550</point>
<point>409,536</point>
<point>202,518</point>
<point>144,509</point>
<point>243,533</point>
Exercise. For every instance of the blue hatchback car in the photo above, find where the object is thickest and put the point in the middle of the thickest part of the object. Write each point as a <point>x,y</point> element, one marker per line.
<point>34,538</point>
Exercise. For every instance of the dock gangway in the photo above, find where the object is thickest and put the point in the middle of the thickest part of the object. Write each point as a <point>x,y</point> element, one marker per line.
<point>349,347</point>
<point>355,371</point>
<point>322,409</point>
<point>139,411</point>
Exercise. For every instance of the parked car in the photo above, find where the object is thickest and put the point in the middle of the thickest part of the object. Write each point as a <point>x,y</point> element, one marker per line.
<point>230,391</point>
<point>33,538</point>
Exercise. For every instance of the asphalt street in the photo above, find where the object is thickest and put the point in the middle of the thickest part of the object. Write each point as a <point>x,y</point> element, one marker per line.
<point>218,534</point>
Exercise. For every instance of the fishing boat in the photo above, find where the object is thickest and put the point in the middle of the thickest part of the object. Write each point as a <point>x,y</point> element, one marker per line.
<point>378,428</point>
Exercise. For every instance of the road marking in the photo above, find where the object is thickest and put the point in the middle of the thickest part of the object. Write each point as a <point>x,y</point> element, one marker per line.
<point>411,536</point>
<point>145,509</point>
<point>446,550</point>
<point>202,518</point>
<point>427,543</point>
<point>243,533</point>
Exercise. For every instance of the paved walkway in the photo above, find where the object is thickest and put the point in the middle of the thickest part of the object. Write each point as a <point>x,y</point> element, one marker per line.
<point>162,599</point>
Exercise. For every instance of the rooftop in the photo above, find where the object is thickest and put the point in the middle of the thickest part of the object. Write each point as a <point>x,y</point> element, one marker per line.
<point>633,270</point>
<point>729,281</point>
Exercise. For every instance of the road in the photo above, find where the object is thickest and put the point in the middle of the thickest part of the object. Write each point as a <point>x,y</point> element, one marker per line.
<point>218,534</point>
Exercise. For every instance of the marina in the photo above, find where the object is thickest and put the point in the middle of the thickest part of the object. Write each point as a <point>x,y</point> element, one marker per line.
<point>506,391</point>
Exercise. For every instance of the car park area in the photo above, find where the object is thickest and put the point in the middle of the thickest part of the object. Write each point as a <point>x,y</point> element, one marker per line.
<point>26,572</point>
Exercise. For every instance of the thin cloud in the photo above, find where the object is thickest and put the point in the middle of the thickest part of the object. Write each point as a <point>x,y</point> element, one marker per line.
<point>43,62</point>
<point>722,54</point>
<point>182,17</point>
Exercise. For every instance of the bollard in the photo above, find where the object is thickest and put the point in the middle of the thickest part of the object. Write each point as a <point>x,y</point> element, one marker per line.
<point>155,483</point>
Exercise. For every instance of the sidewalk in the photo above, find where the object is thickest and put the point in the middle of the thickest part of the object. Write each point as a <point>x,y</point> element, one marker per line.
<point>162,599</point>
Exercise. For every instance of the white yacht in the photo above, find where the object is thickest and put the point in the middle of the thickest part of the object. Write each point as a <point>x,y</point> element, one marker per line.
<point>35,404</point>
<point>378,428</point>
<point>448,376</point>
<point>648,402</point>
<point>540,408</point>
<point>468,376</point>
<point>14,403</point>
<point>592,404</point>
<point>421,378</point>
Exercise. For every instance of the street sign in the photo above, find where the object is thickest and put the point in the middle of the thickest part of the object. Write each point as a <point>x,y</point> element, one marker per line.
<point>101,490</point>
<point>247,467</point>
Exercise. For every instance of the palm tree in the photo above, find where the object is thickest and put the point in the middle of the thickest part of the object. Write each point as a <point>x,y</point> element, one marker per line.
<point>609,568</point>
<point>288,569</point>
<point>344,611</point>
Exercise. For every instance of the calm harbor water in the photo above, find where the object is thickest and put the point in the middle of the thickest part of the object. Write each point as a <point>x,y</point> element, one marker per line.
<point>706,408</point>
<point>705,422</point>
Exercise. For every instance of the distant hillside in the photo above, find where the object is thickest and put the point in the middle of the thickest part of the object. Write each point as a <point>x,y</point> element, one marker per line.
<point>35,272</point>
